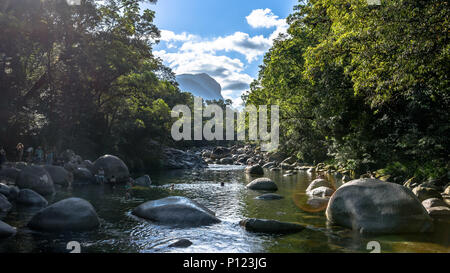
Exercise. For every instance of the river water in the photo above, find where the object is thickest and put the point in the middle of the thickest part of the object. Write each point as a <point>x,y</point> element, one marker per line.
<point>122,232</point>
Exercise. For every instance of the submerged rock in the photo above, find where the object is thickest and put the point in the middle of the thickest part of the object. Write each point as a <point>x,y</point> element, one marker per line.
<point>262,184</point>
<point>72,214</point>
<point>269,196</point>
<point>374,206</point>
<point>37,179</point>
<point>176,210</point>
<point>182,243</point>
<point>6,230</point>
<point>270,226</point>
<point>31,198</point>
<point>113,166</point>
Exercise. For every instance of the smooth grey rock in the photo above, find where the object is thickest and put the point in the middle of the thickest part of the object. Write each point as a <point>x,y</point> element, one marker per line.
<point>143,181</point>
<point>10,173</point>
<point>270,226</point>
<point>374,206</point>
<point>5,205</point>
<point>4,189</point>
<point>36,178</point>
<point>424,193</point>
<point>176,210</point>
<point>440,213</point>
<point>83,176</point>
<point>72,214</point>
<point>31,198</point>
<point>434,202</point>
<point>321,192</point>
<point>262,184</point>
<point>60,175</point>
<point>269,196</point>
<point>316,183</point>
<point>269,165</point>
<point>6,230</point>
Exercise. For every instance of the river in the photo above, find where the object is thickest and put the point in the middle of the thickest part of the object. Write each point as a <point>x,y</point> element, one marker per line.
<point>122,232</point>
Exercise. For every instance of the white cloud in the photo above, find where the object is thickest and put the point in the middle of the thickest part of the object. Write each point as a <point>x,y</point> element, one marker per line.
<point>263,18</point>
<point>170,36</point>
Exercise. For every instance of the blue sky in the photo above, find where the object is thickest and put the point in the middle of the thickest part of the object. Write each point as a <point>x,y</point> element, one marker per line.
<point>225,38</point>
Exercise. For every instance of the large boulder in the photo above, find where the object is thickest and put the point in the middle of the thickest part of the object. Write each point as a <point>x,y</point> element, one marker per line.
<point>60,175</point>
<point>4,189</point>
<point>176,210</point>
<point>72,214</point>
<point>262,184</point>
<point>6,230</point>
<point>37,179</point>
<point>270,226</point>
<point>321,192</point>
<point>10,173</point>
<point>31,198</point>
<point>113,166</point>
<point>254,170</point>
<point>5,205</point>
<point>374,206</point>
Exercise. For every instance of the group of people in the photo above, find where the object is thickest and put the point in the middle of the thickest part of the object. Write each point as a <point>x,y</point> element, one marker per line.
<point>29,155</point>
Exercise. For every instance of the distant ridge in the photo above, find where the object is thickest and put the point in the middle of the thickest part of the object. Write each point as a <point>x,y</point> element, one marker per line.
<point>200,85</point>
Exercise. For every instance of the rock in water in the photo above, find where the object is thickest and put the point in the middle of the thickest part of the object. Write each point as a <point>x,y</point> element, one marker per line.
<point>31,198</point>
<point>83,176</point>
<point>270,226</point>
<point>374,206</point>
<point>317,183</point>
<point>37,179</point>
<point>269,196</point>
<point>255,170</point>
<point>182,243</point>
<point>6,230</point>
<point>262,184</point>
<point>321,192</point>
<point>176,210</point>
<point>10,173</point>
<point>72,214</point>
<point>424,193</point>
<point>113,166</point>
<point>60,176</point>
<point>143,181</point>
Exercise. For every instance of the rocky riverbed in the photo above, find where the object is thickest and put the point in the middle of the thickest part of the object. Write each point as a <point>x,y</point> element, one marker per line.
<point>236,205</point>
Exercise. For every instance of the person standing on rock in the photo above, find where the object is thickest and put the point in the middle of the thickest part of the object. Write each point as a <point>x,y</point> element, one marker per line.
<point>39,155</point>
<point>49,157</point>
<point>30,154</point>
<point>19,149</point>
<point>101,176</point>
<point>2,157</point>
<point>128,188</point>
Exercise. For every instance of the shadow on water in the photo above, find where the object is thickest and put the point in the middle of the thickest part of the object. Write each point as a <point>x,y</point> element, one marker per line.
<point>122,232</point>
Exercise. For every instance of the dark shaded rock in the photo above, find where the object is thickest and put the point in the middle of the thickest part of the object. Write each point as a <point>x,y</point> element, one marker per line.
<point>269,165</point>
<point>113,166</point>
<point>31,198</point>
<point>37,179</point>
<point>262,184</point>
<point>89,165</point>
<point>143,181</point>
<point>5,205</point>
<point>176,210</point>
<point>72,214</point>
<point>10,173</point>
<point>6,230</point>
<point>177,159</point>
<point>60,175</point>
<point>182,243</point>
<point>83,176</point>
<point>269,196</point>
<point>220,152</point>
<point>441,213</point>
<point>13,192</point>
<point>270,226</point>
<point>254,170</point>
<point>4,189</point>
<point>424,193</point>
<point>374,206</point>
<point>226,161</point>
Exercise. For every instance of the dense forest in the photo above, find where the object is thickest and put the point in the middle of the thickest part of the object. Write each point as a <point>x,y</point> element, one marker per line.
<point>84,77</point>
<point>363,87</point>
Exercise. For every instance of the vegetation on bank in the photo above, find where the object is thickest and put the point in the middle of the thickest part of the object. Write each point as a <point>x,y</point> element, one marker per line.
<point>84,77</point>
<point>363,87</point>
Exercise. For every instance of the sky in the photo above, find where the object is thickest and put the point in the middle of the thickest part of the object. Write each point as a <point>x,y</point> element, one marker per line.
<point>226,39</point>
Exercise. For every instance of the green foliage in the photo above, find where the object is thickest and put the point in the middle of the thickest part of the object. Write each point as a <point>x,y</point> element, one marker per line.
<point>362,86</point>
